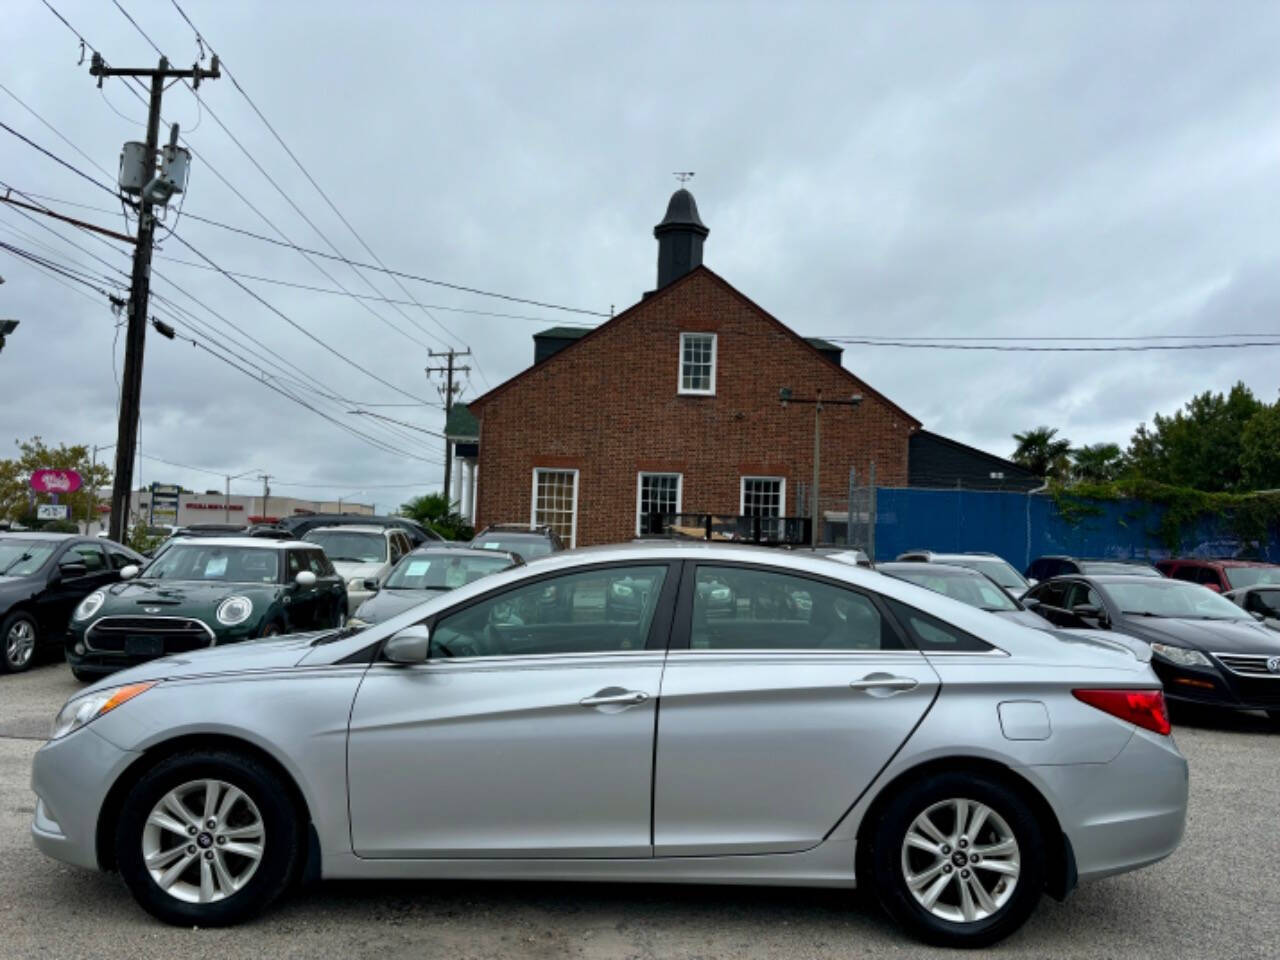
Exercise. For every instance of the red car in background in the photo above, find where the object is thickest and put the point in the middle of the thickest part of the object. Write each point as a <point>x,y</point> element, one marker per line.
<point>1220,575</point>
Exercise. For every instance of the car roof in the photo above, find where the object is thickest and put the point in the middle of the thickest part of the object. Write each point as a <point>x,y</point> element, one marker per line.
<point>349,528</point>
<point>431,549</point>
<point>527,534</point>
<point>1221,562</point>
<point>40,535</point>
<point>930,569</point>
<point>262,543</point>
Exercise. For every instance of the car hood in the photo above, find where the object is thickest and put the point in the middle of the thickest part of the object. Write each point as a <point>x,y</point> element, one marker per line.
<point>1212,636</point>
<point>250,656</point>
<point>348,569</point>
<point>387,602</point>
<point>178,597</point>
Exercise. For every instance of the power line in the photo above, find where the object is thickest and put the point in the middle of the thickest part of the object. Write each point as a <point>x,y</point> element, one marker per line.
<point>56,159</point>
<point>106,173</point>
<point>1137,348</point>
<point>1144,336</point>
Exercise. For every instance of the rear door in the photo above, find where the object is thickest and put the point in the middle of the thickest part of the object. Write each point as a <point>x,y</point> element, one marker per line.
<point>783,697</point>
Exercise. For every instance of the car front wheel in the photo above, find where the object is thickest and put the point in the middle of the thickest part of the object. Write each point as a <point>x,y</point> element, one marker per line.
<point>18,636</point>
<point>207,838</point>
<point>958,859</point>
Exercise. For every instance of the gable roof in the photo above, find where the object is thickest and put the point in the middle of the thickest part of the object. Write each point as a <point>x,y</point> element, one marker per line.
<point>1009,465</point>
<point>700,270</point>
<point>461,424</point>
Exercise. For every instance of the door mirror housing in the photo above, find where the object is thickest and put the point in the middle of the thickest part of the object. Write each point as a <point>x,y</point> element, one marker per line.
<point>305,578</point>
<point>129,572</point>
<point>371,583</point>
<point>73,568</point>
<point>1031,603</point>
<point>408,646</point>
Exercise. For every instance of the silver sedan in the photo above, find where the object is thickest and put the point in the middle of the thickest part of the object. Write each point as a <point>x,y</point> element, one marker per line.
<point>703,714</point>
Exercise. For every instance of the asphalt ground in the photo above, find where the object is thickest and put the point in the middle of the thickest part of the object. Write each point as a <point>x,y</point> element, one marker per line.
<point>1217,897</point>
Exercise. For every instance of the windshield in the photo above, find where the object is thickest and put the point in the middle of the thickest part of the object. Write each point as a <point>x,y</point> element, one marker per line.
<point>1098,567</point>
<point>995,568</point>
<point>443,571</point>
<point>1251,576</point>
<point>1172,598</point>
<point>975,591</point>
<point>525,547</point>
<point>346,546</point>
<point>21,557</point>
<point>192,561</point>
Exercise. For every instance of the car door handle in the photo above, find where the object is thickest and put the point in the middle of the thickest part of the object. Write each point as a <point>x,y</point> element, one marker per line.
<point>614,698</point>
<point>884,684</point>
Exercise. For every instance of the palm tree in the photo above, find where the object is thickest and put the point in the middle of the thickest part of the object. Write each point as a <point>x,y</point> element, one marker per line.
<point>1096,463</point>
<point>1040,453</point>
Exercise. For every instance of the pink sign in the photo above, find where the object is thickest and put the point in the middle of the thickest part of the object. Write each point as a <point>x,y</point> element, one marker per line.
<point>55,481</point>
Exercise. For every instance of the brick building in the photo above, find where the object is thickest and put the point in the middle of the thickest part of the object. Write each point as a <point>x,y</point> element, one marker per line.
<point>673,406</point>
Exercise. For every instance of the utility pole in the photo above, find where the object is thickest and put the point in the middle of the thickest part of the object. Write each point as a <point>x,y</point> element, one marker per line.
<point>140,283</point>
<point>266,492</point>
<point>449,390</point>
<point>785,397</point>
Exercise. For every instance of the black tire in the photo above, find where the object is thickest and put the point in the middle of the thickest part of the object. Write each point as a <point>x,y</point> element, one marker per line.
<point>282,845</point>
<point>886,859</point>
<point>21,659</point>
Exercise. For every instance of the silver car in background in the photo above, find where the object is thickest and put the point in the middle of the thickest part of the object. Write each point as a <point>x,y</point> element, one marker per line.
<point>654,712</point>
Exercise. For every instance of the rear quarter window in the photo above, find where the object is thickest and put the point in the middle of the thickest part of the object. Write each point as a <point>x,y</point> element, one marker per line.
<point>933,635</point>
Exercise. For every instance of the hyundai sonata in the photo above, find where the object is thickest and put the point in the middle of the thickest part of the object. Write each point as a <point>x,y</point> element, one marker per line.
<point>823,726</point>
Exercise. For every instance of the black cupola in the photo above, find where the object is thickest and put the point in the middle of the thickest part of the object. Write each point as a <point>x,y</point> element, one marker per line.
<point>680,236</point>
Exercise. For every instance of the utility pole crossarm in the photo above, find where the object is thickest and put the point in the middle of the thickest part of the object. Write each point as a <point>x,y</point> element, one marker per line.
<point>98,68</point>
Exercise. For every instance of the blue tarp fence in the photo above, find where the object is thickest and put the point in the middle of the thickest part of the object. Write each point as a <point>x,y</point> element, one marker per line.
<point>1020,527</point>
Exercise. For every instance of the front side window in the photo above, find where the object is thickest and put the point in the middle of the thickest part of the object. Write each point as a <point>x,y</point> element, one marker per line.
<point>592,611</point>
<point>698,363</point>
<point>90,555</point>
<point>658,495</point>
<point>555,502</point>
<point>737,608</point>
<point>119,560</point>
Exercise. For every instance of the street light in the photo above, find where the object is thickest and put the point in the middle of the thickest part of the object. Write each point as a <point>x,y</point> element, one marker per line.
<point>226,497</point>
<point>785,397</point>
<point>353,493</point>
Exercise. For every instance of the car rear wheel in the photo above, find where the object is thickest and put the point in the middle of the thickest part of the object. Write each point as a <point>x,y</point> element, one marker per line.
<point>958,859</point>
<point>207,838</point>
<point>18,637</point>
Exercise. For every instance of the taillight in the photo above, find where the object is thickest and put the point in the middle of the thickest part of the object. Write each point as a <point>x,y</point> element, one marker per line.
<point>1146,708</point>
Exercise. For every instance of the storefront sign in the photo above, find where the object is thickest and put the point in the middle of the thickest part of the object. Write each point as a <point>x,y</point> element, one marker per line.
<point>213,506</point>
<point>55,481</point>
<point>51,511</point>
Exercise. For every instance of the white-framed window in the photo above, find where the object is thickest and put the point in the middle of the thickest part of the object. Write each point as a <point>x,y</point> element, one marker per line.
<point>555,502</point>
<point>697,363</point>
<point>656,493</point>
<point>762,496</point>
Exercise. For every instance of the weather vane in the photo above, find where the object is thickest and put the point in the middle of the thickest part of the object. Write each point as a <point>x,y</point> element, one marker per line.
<point>684,176</point>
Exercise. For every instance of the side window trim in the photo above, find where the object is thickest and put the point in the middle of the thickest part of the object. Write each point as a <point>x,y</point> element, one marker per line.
<point>682,627</point>
<point>660,627</point>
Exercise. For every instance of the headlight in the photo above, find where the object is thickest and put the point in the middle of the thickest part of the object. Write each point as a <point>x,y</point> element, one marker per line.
<point>84,710</point>
<point>90,605</point>
<point>1181,655</point>
<point>234,610</point>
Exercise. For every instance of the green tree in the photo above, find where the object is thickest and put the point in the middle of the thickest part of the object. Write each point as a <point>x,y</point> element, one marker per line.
<point>1041,453</point>
<point>18,501</point>
<point>1199,446</point>
<point>432,510</point>
<point>1260,450</point>
<point>1096,463</point>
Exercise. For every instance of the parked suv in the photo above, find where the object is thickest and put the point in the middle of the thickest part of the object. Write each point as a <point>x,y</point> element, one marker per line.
<point>527,540</point>
<point>301,524</point>
<point>363,555</point>
<point>1043,568</point>
<point>992,564</point>
<point>1220,575</point>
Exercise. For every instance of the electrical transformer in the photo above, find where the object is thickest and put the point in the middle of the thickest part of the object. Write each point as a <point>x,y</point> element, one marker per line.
<point>133,167</point>
<point>175,164</point>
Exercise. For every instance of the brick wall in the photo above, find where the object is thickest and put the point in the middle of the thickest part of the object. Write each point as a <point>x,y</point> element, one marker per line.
<point>608,406</point>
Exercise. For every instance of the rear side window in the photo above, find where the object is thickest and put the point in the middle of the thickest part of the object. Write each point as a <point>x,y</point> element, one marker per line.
<point>1207,575</point>
<point>736,608</point>
<point>1186,572</point>
<point>932,635</point>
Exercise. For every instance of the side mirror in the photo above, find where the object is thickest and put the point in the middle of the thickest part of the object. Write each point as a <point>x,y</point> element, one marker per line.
<point>1258,615</point>
<point>1030,603</point>
<point>72,568</point>
<point>305,578</point>
<point>1087,611</point>
<point>129,572</point>
<point>371,584</point>
<point>410,645</point>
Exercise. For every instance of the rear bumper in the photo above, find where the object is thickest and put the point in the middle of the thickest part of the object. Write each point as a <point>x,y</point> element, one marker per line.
<point>1125,814</point>
<point>71,778</point>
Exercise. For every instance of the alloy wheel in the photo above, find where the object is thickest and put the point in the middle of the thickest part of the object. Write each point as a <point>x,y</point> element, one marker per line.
<point>960,860</point>
<point>20,644</point>
<point>203,841</point>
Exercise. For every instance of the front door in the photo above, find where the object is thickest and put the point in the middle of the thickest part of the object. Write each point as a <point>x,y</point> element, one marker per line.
<point>528,732</point>
<point>790,695</point>
<point>65,591</point>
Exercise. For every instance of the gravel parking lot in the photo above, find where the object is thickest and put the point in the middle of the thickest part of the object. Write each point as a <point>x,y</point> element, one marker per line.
<point>1216,897</point>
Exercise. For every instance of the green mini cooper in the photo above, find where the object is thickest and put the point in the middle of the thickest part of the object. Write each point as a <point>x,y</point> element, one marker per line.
<point>202,592</point>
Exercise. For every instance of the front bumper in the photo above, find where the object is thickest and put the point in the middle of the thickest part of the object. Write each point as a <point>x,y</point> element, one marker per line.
<point>1125,814</point>
<point>71,778</point>
<point>1217,687</point>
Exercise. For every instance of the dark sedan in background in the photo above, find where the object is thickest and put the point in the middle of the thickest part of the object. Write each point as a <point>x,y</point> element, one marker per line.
<point>966,585</point>
<point>426,573</point>
<point>43,576</point>
<point>1205,648</point>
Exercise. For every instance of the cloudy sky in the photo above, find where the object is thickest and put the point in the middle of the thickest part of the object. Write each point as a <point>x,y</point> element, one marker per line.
<point>939,169</point>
